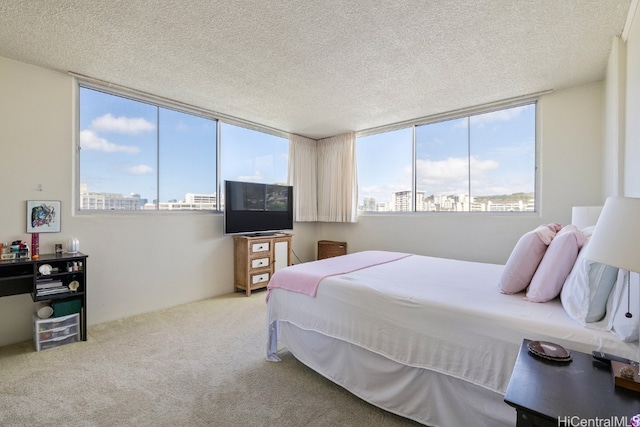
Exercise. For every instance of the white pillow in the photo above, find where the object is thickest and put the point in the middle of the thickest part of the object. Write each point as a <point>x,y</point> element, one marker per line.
<point>627,329</point>
<point>587,288</point>
<point>588,231</point>
<point>601,280</point>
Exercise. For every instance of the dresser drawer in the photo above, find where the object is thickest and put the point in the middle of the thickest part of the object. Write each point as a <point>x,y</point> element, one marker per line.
<point>260,247</point>
<point>259,278</point>
<point>259,263</point>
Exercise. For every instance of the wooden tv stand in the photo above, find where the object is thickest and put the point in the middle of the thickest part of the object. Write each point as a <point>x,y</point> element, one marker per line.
<point>256,258</point>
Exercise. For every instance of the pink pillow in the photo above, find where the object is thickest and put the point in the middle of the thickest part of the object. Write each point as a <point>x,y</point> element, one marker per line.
<point>556,265</point>
<point>525,257</point>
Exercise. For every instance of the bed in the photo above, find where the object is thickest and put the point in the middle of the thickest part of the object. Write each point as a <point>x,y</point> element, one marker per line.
<point>427,338</point>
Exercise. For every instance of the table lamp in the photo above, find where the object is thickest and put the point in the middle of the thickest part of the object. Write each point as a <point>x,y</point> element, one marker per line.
<point>616,237</point>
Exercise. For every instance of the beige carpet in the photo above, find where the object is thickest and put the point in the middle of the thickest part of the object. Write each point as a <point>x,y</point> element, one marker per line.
<point>198,364</point>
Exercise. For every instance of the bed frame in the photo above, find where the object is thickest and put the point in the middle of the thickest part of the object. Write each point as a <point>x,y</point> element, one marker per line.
<point>426,338</point>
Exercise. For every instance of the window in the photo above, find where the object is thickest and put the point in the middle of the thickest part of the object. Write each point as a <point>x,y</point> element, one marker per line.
<point>384,171</point>
<point>477,163</point>
<point>136,155</point>
<point>187,161</point>
<point>253,156</point>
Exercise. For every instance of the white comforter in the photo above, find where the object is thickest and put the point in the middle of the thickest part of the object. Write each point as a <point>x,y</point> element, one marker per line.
<point>440,314</point>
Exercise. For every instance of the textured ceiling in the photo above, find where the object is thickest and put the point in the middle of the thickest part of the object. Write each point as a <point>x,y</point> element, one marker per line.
<point>324,67</point>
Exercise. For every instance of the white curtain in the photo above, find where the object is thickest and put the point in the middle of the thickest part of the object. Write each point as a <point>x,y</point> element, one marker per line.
<point>302,174</point>
<point>337,179</point>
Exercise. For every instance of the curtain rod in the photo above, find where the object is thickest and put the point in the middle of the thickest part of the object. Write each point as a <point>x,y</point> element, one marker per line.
<point>91,81</point>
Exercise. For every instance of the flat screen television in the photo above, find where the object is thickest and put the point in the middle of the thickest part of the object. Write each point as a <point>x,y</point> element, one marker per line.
<point>258,209</point>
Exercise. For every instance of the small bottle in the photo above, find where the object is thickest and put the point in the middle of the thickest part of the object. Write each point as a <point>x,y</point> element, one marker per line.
<point>79,265</point>
<point>75,266</point>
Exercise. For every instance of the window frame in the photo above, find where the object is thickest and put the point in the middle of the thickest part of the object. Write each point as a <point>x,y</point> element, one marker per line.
<point>159,102</point>
<point>459,114</point>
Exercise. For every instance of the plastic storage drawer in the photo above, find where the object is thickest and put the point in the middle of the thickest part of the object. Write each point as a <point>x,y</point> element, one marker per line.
<point>55,331</point>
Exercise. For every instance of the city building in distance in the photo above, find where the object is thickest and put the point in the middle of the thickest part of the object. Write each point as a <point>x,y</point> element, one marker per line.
<point>402,201</point>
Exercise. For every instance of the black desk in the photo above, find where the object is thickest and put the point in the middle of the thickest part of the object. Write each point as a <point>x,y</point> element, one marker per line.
<point>20,276</point>
<point>547,393</point>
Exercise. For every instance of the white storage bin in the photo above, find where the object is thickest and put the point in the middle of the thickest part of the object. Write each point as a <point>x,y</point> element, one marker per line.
<point>55,331</point>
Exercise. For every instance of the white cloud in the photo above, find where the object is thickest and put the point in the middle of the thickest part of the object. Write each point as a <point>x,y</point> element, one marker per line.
<point>498,116</point>
<point>382,192</point>
<point>256,177</point>
<point>126,125</point>
<point>181,126</point>
<point>441,170</point>
<point>371,189</point>
<point>89,140</point>
<point>479,167</point>
<point>451,175</point>
<point>140,170</point>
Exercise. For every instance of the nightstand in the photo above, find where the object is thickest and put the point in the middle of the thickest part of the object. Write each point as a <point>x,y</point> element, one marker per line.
<point>547,393</point>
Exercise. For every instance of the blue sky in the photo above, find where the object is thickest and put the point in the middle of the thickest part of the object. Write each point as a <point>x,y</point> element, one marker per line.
<point>502,156</point>
<point>120,151</point>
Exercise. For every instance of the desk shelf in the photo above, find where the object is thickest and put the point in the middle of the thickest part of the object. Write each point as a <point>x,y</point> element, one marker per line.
<point>16,277</point>
<point>22,276</point>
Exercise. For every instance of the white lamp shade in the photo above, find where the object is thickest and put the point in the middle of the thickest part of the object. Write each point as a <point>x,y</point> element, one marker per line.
<point>616,237</point>
<point>585,216</point>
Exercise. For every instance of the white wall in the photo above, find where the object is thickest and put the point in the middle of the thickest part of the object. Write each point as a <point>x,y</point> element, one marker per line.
<point>614,118</point>
<point>137,263</point>
<point>570,138</point>
<point>140,263</point>
<point>622,129</point>
<point>632,111</point>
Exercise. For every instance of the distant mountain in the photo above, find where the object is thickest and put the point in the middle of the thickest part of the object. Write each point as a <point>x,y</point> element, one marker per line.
<point>504,198</point>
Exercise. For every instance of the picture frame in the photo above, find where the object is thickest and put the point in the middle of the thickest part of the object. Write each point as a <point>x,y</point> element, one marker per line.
<point>43,216</point>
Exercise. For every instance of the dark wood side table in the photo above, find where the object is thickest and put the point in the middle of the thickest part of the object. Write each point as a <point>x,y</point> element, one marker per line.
<point>547,393</point>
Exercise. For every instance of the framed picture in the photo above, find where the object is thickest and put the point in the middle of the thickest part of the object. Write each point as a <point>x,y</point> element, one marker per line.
<point>43,216</point>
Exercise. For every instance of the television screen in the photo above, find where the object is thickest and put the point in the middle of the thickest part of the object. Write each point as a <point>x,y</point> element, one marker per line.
<point>255,208</point>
